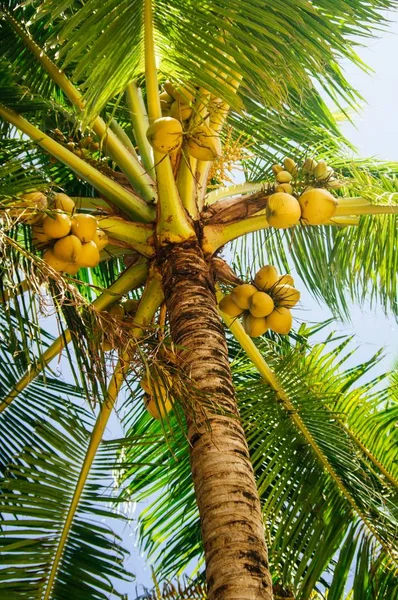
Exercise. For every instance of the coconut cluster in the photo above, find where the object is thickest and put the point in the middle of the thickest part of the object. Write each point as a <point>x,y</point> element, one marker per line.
<point>69,240</point>
<point>167,134</point>
<point>313,206</point>
<point>123,314</point>
<point>264,304</point>
<point>157,395</point>
<point>81,148</point>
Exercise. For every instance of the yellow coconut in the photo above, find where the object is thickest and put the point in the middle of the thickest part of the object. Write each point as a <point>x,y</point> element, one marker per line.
<point>183,95</point>
<point>321,170</point>
<point>57,225</point>
<point>280,320</point>
<point>241,294</point>
<point>29,208</point>
<point>318,206</point>
<point>64,203</point>
<point>229,307</point>
<point>261,304</point>
<point>283,210</point>
<point>68,248</point>
<point>284,177</point>
<point>277,169</point>
<point>286,295</point>
<point>72,268</point>
<point>169,88</point>
<point>89,255</point>
<point>54,262</point>
<point>266,277</point>
<point>309,165</point>
<point>204,144</point>
<point>39,238</point>
<point>100,239</point>
<point>285,280</point>
<point>158,408</point>
<point>284,187</point>
<point>130,306</point>
<point>179,111</point>
<point>84,227</point>
<point>254,326</point>
<point>117,311</point>
<point>165,135</point>
<point>290,165</point>
<point>166,98</point>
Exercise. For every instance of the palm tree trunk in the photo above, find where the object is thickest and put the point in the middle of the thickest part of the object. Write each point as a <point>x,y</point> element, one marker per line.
<point>226,494</point>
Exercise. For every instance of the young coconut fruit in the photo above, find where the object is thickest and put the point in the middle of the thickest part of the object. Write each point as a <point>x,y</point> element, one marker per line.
<point>318,206</point>
<point>286,295</point>
<point>54,262</point>
<point>165,135</point>
<point>71,268</point>
<point>290,165</point>
<point>117,311</point>
<point>277,169</point>
<point>204,144</point>
<point>229,307</point>
<point>100,239</point>
<point>280,320</point>
<point>179,111</point>
<point>64,203</point>
<point>130,306</point>
<point>284,177</point>
<point>266,277</point>
<point>242,294</point>
<point>309,165</point>
<point>39,238</point>
<point>57,225</point>
<point>284,187</point>
<point>84,227</point>
<point>254,326</point>
<point>29,208</point>
<point>285,280</point>
<point>68,248</point>
<point>321,170</point>
<point>89,255</point>
<point>158,408</point>
<point>283,210</point>
<point>261,304</point>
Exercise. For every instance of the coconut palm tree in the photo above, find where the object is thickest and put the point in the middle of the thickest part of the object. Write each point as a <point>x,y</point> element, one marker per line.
<point>121,123</point>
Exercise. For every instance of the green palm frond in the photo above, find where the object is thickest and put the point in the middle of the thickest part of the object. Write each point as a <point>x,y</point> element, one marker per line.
<point>311,500</point>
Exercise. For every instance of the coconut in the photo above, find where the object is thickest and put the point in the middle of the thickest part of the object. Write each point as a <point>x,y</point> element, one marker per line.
<point>284,187</point>
<point>117,311</point>
<point>169,88</point>
<point>266,277</point>
<point>54,262</point>
<point>89,255</point>
<point>277,169</point>
<point>100,239</point>
<point>309,165</point>
<point>321,170</point>
<point>57,225</point>
<point>318,206</point>
<point>183,95</point>
<point>64,203</point>
<point>283,177</point>
<point>158,408</point>
<point>204,144</point>
<point>285,280</point>
<point>84,227</point>
<point>241,294</point>
<point>229,307</point>
<point>71,268</point>
<point>39,238</point>
<point>179,111</point>
<point>283,210</point>
<point>166,98</point>
<point>165,135</point>
<point>290,165</point>
<point>280,320</point>
<point>130,306</point>
<point>286,295</point>
<point>68,248</point>
<point>254,326</point>
<point>261,304</point>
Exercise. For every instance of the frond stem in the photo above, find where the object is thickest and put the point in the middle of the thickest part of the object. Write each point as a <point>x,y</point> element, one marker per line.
<point>140,122</point>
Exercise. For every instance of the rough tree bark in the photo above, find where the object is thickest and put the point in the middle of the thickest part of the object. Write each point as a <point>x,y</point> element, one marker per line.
<point>226,494</point>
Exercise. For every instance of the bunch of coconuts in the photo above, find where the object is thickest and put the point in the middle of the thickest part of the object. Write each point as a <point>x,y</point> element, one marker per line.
<point>167,134</point>
<point>69,240</point>
<point>157,395</point>
<point>264,304</point>
<point>314,206</point>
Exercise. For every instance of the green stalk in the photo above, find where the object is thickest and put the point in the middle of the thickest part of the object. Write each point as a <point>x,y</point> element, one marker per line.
<point>95,203</point>
<point>354,209</point>
<point>133,170</point>
<point>140,122</point>
<point>233,190</point>
<point>216,236</point>
<point>266,372</point>
<point>132,277</point>
<point>186,186</point>
<point>138,235</point>
<point>152,297</point>
<point>123,137</point>
<point>173,225</point>
<point>131,204</point>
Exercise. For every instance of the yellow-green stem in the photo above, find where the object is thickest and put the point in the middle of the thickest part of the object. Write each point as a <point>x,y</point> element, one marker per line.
<point>140,122</point>
<point>123,137</point>
<point>138,236</point>
<point>134,171</point>
<point>233,190</point>
<point>95,203</point>
<point>186,184</point>
<point>216,236</point>
<point>173,225</point>
<point>269,376</point>
<point>152,297</point>
<point>131,278</point>
<point>366,209</point>
<point>131,204</point>
<point>95,440</point>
